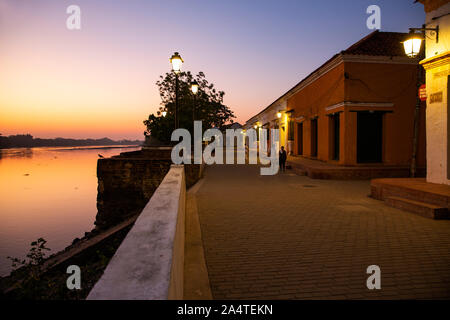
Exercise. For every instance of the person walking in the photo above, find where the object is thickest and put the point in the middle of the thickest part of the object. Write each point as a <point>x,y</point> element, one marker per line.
<point>282,159</point>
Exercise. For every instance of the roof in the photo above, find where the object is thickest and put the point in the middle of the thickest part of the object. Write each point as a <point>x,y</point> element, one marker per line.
<point>379,44</point>
<point>235,125</point>
<point>374,44</point>
<point>431,5</point>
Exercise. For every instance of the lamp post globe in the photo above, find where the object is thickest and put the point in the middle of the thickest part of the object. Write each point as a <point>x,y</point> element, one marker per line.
<point>194,87</point>
<point>412,45</point>
<point>176,62</point>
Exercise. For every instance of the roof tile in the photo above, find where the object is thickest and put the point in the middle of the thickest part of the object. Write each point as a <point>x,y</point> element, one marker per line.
<point>379,44</point>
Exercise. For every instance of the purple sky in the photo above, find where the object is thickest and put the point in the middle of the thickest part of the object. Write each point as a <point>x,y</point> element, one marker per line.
<point>100,81</point>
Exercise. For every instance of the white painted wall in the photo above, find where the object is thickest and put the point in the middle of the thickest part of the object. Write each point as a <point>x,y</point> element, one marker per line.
<point>436,80</point>
<point>433,48</point>
<point>149,264</point>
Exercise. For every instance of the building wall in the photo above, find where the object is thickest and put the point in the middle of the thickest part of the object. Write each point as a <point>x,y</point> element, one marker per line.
<point>270,116</point>
<point>126,182</point>
<point>361,82</point>
<point>388,83</point>
<point>311,101</point>
<point>431,5</point>
<point>282,125</point>
<point>437,67</point>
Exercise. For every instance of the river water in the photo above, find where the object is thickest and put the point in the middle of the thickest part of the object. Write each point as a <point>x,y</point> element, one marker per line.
<point>49,193</point>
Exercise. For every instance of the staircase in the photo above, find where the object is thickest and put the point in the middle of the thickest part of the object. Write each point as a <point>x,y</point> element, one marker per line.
<point>414,195</point>
<point>424,209</point>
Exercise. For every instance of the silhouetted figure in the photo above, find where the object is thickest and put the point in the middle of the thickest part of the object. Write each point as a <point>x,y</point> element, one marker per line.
<point>282,159</point>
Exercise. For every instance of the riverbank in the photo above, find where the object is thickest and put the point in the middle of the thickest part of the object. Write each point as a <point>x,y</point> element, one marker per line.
<point>64,148</point>
<point>48,193</point>
<point>131,175</point>
<point>91,253</point>
<point>28,141</point>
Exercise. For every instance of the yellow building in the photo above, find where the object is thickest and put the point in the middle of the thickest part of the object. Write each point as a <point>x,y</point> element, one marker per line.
<point>274,117</point>
<point>437,66</point>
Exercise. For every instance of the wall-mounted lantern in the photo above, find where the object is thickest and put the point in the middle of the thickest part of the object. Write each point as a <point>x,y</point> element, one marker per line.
<point>416,36</point>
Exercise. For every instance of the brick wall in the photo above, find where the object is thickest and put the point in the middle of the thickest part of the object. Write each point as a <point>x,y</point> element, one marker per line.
<point>126,183</point>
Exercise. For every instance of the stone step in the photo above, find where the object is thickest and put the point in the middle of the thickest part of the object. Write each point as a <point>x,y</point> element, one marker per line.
<point>298,171</point>
<point>427,210</point>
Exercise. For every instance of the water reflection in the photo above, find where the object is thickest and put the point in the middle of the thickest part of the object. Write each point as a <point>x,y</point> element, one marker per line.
<point>49,193</point>
<point>16,153</point>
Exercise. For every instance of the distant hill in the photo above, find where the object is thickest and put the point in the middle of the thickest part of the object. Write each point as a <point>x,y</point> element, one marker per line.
<point>27,141</point>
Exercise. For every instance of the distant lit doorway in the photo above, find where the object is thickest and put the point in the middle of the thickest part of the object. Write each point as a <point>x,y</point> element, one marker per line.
<point>369,137</point>
<point>314,137</point>
<point>300,138</point>
<point>335,135</point>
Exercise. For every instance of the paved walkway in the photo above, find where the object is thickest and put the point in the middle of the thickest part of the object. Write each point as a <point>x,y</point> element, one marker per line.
<point>291,237</point>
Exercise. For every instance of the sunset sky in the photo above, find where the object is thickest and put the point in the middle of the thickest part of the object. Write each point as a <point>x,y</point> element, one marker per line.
<point>100,81</point>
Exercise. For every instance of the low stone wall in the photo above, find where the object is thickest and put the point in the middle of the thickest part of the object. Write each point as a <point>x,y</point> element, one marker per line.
<point>149,263</point>
<point>126,182</point>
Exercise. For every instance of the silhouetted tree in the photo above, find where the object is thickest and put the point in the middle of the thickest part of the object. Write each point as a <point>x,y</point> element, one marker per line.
<point>209,106</point>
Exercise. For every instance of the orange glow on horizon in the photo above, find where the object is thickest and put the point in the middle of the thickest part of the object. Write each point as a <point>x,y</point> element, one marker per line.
<point>93,83</point>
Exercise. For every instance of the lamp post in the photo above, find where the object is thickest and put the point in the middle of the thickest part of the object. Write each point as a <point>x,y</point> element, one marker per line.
<point>412,49</point>
<point>194,89</point>
<point>176,62</point>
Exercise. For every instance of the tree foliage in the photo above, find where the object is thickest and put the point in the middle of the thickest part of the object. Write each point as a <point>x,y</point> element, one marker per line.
<point>207,104</point>
<point>35,258</point>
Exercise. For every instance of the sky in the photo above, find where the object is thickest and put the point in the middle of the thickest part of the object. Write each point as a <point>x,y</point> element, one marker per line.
<point>99,81</point>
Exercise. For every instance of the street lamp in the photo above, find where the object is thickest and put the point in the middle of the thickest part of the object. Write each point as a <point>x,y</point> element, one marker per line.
<point>416,36</point>
<point>176,62</point>
<point>194,89</point>
<point>164,113</point>
<point>412,49</point>
<point>412,46</point>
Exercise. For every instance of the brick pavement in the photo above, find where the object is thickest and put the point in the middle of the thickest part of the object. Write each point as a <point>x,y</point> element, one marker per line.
<point>291,237</point>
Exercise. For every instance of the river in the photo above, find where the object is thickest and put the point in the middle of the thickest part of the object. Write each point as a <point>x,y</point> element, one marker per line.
<point>49,193</point>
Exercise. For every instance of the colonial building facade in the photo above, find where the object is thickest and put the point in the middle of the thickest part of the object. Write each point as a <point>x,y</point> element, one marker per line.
<point>437,66</point>
<point>356,109</point>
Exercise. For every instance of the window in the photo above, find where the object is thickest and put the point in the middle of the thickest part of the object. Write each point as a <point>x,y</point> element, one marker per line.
<point>314,137</point>
<point>291,130</point>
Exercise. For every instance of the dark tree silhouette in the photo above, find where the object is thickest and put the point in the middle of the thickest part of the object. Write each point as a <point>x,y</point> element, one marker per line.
<point>209,107</point>
<point>27,141</point>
